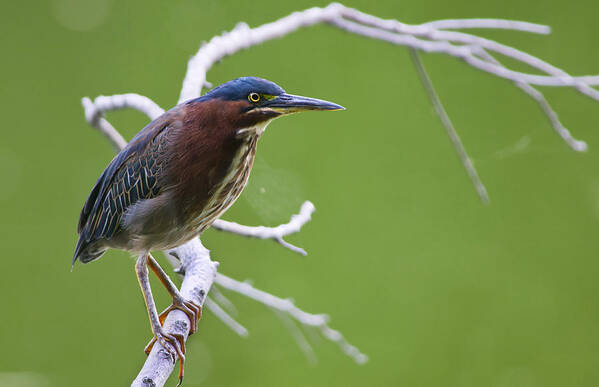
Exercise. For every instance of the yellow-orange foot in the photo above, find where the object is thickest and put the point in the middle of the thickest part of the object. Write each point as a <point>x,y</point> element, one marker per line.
<point>191,309</point>
<point>175,343</point>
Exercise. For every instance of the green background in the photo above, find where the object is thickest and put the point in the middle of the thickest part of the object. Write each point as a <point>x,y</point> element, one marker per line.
<point>437,289</point>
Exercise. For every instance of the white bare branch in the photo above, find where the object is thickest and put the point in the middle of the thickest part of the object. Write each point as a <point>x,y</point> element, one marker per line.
<point>94,119</point>
<point>392,31</point>
<point>515,25</point>
<point>274,233</point>
<point>95,110</point>
<point>466,53</point>
<point>432,37</point>
<point>199,276</point>
<point>123,101</point>
<point>319,321</point>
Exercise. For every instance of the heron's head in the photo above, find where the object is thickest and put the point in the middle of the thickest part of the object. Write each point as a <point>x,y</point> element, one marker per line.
<point>259,101</point>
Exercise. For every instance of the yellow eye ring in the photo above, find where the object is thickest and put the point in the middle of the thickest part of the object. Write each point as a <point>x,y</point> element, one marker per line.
<point>254,97</point>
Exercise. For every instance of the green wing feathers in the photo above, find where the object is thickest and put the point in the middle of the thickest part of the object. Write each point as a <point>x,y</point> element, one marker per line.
<point>133,175</point>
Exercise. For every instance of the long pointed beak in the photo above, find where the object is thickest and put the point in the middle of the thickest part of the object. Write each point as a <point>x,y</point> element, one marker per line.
<point>288,103</point>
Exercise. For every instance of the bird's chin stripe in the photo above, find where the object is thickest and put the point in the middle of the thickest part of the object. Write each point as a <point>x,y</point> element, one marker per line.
<point>265,111</point>
<point>254,130</point>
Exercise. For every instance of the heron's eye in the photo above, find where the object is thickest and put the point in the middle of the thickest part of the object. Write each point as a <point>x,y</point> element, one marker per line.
<point>254,97</point>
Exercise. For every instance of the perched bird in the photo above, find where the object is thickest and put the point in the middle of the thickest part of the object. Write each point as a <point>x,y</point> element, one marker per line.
<point>175,177</point>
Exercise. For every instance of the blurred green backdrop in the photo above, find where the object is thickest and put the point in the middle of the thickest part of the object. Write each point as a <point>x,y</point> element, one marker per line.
<point>437,289</point>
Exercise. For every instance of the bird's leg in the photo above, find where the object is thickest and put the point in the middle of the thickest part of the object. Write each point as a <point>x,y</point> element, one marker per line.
<point>193,311</point>
<point>175,341</point>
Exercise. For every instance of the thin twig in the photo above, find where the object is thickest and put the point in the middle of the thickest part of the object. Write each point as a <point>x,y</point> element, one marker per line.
<point>223,301</point>
<point>449,128</point>
<point>226,318</point>
<point>552,116</point>
<point>298,335</point>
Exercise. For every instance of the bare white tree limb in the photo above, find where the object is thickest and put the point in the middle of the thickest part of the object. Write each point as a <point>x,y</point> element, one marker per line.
<point>354,21</point>
<point>95,110</point>
<point>274,233</point>
<point>94,119</point>
<point>465,52</point>
<point>122,101</point>
<point>319,321</point>
<point>199,271</point>
<point>199,276</point>
<point>515,25</point>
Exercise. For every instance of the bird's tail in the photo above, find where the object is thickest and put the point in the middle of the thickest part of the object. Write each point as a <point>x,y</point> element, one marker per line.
<point>87,251</point>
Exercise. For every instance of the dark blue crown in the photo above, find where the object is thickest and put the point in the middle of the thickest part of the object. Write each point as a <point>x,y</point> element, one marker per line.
<point>240,88</point>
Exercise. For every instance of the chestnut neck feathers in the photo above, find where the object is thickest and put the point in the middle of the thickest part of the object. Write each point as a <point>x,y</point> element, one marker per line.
<point>216,147</point>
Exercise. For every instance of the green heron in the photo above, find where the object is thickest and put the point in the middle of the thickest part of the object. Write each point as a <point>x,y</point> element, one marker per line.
<point>175,177</point>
